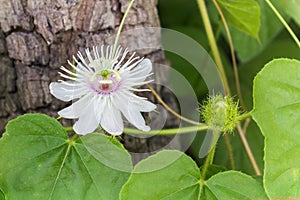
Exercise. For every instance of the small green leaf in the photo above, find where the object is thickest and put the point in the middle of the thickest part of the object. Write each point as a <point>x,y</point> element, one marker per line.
<point>247,47</point>
<point>242,14</point>
<point>173,175</point>
<point>276,111</point>
<point>39,161</point>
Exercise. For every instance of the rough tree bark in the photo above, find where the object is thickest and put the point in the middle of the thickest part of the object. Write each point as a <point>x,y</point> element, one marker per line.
<point>37,37</point>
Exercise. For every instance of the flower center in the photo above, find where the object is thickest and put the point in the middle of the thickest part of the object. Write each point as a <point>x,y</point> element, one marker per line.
<point>105,85</point>
<point>106,82</point>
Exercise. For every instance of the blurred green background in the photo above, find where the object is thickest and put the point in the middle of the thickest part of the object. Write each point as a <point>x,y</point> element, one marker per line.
<point>275,42</point>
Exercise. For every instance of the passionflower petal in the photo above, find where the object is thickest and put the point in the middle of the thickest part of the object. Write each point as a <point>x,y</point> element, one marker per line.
<point>102,86</point>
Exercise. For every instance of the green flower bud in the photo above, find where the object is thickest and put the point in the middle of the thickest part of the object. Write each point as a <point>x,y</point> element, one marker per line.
<point>220,113</point>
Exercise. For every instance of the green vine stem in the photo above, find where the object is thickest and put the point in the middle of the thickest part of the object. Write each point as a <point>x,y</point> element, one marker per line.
<point>121,26</point>
<point>284,22</point>
<point>213,44</point>
<point>74,137</point>
<point>216,54</point>
<point>244,116</point>
<point>210,157</point>
<point>233,58</point>
<point>207,163</point>
<point>230,152</point>
<point>249,152</point>
<point>69,129</point>
<point>170,131</point>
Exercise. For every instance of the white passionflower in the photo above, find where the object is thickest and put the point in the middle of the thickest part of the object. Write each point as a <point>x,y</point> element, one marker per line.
<point>103,86</point>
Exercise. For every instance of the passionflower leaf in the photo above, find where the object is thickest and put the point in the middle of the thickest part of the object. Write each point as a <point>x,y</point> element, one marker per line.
<point>39,161</point>
<point>276,111</point>
<point>173,175</point>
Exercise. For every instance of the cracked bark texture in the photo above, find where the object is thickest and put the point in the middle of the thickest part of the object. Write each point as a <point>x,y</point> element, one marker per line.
<point>37,37</point>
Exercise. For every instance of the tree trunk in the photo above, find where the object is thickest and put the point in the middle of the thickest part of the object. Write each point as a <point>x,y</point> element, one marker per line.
<point>37,37</point>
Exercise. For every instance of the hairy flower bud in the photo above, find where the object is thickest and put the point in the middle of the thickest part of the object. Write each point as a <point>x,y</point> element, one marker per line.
<point>220,113</point>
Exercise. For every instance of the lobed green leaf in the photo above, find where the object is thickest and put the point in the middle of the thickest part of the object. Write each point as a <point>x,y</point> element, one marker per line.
<point>173,175</point>
<point>39,161</point>
<point>276,110</point>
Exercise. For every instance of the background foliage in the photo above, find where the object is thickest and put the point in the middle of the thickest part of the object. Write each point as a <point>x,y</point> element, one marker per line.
<point>252,53</point>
